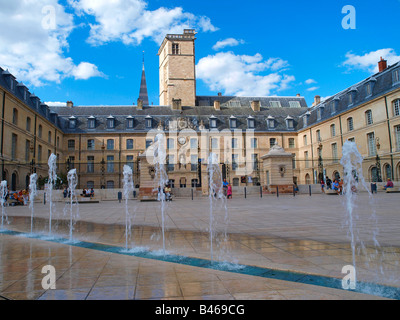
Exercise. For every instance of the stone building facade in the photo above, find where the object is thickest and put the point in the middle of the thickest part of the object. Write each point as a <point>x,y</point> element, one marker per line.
<point>99,140</point>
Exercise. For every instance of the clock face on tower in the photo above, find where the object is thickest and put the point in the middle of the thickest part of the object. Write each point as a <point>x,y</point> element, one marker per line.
<point>182,141</point>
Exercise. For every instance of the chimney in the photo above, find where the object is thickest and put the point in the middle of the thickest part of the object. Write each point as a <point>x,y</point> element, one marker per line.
<point>140,104</point>
<point>255,105</point>
<point>298,95</point>
<point>219,94</point>
<point>382,65</point>
<point>317,100</point>
<point>217,105</point>
<point>177,104</point>
<point>70,104</point>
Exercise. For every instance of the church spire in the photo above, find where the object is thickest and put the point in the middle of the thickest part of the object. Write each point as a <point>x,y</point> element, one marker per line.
<point>143,87</point>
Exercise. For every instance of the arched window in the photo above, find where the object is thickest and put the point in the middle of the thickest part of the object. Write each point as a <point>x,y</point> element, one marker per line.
<point>333,130</point>
<point>28,124</point>
<point>368,117</point>
<point>396,107</point>
<point>40,131</point>
<point>15,116</point>
<point>350,125</point>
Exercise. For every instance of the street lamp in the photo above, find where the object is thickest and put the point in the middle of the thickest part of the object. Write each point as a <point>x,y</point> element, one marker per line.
<point>378,161</point>
<point>320,163</point>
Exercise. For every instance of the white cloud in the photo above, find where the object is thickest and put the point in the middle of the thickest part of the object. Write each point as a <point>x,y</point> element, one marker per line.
<point>129,21</point>
<point>239,74</point>
<point>56,104</point>
<point>35,40</point>
<point>312,88</point>
<point>230,42</point>
<point>310,81</point>
<point>369,61</point>
<point>85,71</point>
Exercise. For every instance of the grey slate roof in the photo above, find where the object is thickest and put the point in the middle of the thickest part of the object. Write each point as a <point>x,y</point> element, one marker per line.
<point>340,102</point>
<point>164,114</point>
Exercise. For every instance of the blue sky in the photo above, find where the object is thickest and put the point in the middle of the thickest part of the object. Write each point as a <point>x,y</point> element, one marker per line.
<point>90,51</point>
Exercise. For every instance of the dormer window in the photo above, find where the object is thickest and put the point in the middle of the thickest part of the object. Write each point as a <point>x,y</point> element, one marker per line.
<point>72,122</point>
<point>251,123</point>
<point>129,122</point>
<point>91,122</point>
<point>335,105</point>
<point>396,76</point>
<point>319,112</point>
<point>213,122</point>
<point>370,86</point>
<point>352,95</point>
<point>149,122</point>
<point>305,119</point>
<point>110,122</point>
<point>271,122</point>
<point>289,122</point>
<point>233,122</point>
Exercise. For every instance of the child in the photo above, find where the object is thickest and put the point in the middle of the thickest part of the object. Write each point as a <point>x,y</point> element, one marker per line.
<point>229,191</point>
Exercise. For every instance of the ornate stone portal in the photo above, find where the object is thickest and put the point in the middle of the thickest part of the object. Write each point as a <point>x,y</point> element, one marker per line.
<point>278,170</point>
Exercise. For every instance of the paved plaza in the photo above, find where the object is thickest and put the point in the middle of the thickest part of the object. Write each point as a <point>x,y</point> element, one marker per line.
<point>307,237</point>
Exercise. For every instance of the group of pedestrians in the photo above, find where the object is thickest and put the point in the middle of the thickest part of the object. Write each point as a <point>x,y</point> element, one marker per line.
<point>335,185</point>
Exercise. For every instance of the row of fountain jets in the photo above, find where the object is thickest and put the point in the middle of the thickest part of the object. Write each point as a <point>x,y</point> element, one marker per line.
<point>351,162</point>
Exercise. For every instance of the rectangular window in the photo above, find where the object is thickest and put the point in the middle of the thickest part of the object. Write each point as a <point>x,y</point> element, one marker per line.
<point>90,144</point>
<point>397,133</point>
<point>291,143</point>
<point>272,142</point>
<point>334,152</point>
<point>129,161</point>
<point>129,144</point>
<point>254,143</point>
<point>110,164</point>
<point>39,156</point>
<point>293,160</point>
<point>235,164</point>
<point>71,162</point>
<point>175,48</point>
<point>27,150</point>
<point>304,140</point>
<point>234,143</point>
<point>318,135</point>
<point>368,89</point>
<point>13,146</point>
<point>71,145</point>
<point>110,144</point>
<point>170,163</point>
<point>254,160</point>
<point>371,144</point>
<point>214,143</point>
<point>307,164</point>
<point>90,164</point>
